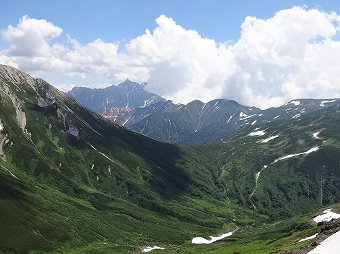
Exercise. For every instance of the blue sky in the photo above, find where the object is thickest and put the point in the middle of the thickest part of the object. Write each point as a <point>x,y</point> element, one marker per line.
<point>260,53</point>
<point>122,20</point>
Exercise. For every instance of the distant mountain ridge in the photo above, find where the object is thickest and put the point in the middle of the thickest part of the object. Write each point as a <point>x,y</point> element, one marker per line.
<point>198,123</point>
<point>125,95</point>
<point>192,124</point>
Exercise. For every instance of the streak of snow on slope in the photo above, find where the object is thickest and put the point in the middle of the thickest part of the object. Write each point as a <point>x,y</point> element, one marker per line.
<point>327,215</point>
<point>257,133</point>
<point>268,139</point>
<point>308,238</point>
<point>257,175</point>
<point>328,246</point>
<point>6,169</point>
<point>1,126</point>
<point>322,104</point>
<point>126,121</point>
<point>296,116</point>
<point>148,249</point>
<point>201,240</point>
<point>296,154</point>
<point>253,122</point>
<point>230,118</point>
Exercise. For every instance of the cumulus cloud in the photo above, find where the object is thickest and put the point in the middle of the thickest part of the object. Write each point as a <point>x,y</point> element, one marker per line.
<point>30,37</point>
<point>180,64</point>
<point>33,49</point>
<point>294,54</point>
<point>290,55</point>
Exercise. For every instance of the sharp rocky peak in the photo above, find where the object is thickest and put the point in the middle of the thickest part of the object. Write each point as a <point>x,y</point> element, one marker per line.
<point>128,83</point>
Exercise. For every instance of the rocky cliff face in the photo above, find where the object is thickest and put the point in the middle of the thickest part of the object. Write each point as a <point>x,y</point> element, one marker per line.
<point>125,95</point>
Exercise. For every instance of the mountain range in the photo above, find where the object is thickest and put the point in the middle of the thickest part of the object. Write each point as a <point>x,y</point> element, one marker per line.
<point>125,95</point>
<point>194,123</point>
<point>72,181</point>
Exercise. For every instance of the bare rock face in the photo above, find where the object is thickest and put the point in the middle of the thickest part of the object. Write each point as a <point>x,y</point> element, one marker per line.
<point>69,123</point>
<point>20,114</point>
<point>44,103</point>
<point>3,140</point>
<point>46,98</point>
<point>114,113</point>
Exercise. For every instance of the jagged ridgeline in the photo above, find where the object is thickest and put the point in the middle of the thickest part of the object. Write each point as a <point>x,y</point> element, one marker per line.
<point>195,123</point>
<point>70,178</point>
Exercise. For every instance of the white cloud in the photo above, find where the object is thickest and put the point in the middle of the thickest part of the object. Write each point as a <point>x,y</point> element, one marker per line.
<point>287,56</point>
<point>32,49</point>
<point>181,64</point>
<point>30,37</point>
<point>293,54</point>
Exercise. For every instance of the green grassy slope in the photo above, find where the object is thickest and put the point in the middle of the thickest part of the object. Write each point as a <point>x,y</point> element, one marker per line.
<point>289,186</point>
<point>72,182</point>
<point>71,179</point>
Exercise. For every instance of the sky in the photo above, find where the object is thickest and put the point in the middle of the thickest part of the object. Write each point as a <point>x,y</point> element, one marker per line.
<point>259,53</point>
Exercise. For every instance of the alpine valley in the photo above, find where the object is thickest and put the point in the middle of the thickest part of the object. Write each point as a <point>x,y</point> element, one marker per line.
<point>74,180</point>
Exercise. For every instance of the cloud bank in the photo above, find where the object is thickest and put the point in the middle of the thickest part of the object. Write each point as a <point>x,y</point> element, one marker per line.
<point>294,54</point>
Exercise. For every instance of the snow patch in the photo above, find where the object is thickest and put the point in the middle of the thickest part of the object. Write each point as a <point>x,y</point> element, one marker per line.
<point>1,126</point>
<point>276,117</point>
<point>148,249</point>
<point>268,139</point>
<point>322,103</point>
<point>330,245</point>
<point>201,240</point>
<point>308,238</point>
<point>316,135</point>
<point>296,116</point>
<point>296,103</point>
<point>244,116</point>
<point>253,122</point>
<point>327,215</point>
<point>257,133</point>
